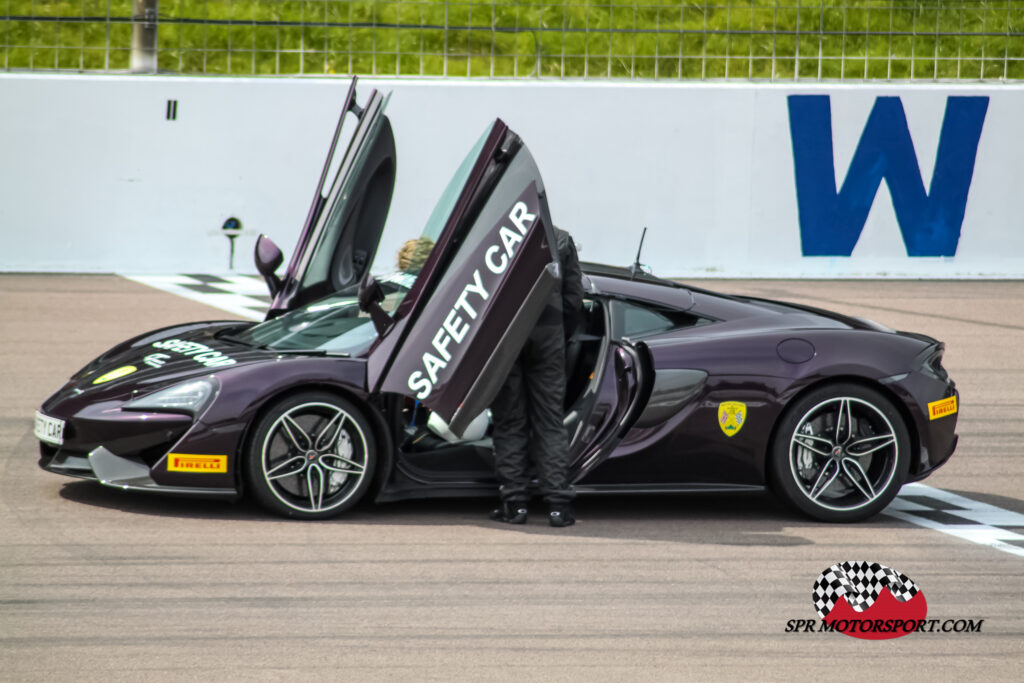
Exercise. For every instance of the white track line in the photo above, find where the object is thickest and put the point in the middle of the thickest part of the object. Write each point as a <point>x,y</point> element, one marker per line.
<point>987,518</point>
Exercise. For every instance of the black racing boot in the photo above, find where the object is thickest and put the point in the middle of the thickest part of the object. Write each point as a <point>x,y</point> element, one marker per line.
<point>561,515</point>
<point>510,512</point>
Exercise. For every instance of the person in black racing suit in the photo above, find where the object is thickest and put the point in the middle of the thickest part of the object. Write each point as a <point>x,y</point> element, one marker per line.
<point>528,410</point>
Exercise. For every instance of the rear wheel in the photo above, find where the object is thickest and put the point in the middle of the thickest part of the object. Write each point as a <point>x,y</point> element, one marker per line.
<point>841,453</point>
<point>312,456</point>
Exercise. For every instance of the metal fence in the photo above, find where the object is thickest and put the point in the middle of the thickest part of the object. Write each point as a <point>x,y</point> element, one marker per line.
<point>707,39</point>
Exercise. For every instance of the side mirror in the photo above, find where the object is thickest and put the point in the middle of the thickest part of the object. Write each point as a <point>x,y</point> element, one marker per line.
<point>370,295</point>
<point>268,259</point>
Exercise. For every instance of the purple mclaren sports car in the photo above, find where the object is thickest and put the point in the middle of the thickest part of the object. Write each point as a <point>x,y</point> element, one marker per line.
<point>358,386</point>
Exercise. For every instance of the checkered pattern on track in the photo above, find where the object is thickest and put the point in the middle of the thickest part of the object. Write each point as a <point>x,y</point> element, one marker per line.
<point>960,516</point>
<point>860,583</point>
<point>244,295</point>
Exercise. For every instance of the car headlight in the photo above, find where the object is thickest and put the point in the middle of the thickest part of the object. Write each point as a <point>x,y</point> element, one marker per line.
<point>189,397</point>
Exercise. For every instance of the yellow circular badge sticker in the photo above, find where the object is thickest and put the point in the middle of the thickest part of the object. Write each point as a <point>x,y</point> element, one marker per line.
<point>115,374</point>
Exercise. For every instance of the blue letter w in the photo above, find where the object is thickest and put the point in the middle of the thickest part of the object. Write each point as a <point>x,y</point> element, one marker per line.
<point>831,222</point>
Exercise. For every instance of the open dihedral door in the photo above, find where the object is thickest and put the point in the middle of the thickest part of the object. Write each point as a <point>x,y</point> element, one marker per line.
<point>345,221</point>
<point>489,276</point>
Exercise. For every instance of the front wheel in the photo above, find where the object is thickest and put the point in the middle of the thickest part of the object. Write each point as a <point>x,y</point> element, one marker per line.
<point>312,456</point>
<point>841,453</point>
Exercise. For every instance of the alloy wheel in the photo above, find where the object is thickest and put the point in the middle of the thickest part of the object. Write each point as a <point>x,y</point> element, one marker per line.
<point>314,457</point>
<point>843,454</point>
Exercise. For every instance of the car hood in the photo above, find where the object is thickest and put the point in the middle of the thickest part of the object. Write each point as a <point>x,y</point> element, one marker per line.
<point>156,359</point>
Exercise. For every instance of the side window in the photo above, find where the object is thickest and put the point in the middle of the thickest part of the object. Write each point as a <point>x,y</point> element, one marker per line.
<point>638,320</point>
<point>635,320</point>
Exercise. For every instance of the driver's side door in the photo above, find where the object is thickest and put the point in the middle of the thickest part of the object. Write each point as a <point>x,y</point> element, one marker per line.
<point>479,293</point>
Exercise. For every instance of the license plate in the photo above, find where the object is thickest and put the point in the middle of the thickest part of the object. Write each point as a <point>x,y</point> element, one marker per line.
<point>49,429</point>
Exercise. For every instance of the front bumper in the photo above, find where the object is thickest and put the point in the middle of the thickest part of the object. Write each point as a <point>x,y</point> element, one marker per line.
<point>122,473</point>
<point>140,451</point>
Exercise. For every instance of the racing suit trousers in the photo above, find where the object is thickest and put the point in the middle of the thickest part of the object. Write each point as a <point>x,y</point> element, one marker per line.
<point>528,423</point>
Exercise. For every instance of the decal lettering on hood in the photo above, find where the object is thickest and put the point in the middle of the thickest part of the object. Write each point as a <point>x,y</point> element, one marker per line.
<point>200,353</point>
<point>156,360</point>
<point>464,314</point>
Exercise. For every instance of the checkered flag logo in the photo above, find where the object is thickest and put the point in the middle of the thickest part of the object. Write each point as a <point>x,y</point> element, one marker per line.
<point>860,583</point>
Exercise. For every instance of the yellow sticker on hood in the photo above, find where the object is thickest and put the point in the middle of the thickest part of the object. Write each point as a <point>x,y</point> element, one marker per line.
<point>115,374</point>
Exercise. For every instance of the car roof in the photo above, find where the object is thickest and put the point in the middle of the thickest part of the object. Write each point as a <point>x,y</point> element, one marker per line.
<point>622,273</point>
<point>619,276</point>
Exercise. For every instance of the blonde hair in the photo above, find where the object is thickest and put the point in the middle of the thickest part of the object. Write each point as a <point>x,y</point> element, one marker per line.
<point>413,254</point>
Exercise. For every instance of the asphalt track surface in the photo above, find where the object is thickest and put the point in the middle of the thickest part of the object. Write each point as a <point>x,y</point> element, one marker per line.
<point>96,584</point>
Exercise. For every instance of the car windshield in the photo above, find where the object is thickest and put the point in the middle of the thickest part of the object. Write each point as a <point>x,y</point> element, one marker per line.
<point>333,323</point>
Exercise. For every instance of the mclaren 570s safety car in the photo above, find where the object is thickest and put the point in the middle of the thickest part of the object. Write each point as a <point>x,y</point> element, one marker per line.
<point>358,385</point>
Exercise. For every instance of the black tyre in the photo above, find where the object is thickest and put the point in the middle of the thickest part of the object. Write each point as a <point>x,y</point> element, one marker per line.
<point>312,456</point>
<point>841,453</point>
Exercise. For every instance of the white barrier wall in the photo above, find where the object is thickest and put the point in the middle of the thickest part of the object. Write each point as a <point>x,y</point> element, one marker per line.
<point>731,179</point>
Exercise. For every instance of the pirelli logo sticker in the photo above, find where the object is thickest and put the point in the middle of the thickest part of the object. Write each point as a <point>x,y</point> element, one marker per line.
<point>200,464</point>
<point>946,406</point>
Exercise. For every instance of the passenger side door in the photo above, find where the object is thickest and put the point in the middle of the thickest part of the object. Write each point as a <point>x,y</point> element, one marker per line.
<point>606,415</point>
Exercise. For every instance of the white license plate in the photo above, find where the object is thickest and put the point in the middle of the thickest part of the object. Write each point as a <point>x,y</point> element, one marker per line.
<point>49,429</point>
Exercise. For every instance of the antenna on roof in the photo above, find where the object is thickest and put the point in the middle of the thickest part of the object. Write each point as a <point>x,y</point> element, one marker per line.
<point>636,267</point>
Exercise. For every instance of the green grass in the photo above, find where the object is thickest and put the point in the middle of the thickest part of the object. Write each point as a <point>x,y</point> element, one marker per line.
<point>761,39</point>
